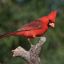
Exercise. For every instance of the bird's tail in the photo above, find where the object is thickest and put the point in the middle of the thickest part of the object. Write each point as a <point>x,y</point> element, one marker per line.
<point>52,16</point>
<point>7,34</point>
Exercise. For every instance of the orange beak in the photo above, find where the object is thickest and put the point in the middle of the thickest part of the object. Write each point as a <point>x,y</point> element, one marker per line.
<point>52,25</point>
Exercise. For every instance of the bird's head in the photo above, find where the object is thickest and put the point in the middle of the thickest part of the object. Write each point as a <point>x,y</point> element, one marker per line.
<point>52,18</point>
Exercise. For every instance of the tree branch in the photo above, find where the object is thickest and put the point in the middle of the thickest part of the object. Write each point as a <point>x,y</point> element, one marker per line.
<point>31,56</point>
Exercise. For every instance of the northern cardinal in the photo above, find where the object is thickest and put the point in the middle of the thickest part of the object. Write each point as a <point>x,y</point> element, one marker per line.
<point>35,28</point>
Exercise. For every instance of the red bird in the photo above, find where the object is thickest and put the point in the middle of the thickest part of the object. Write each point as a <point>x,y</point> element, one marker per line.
<point>35,28</point>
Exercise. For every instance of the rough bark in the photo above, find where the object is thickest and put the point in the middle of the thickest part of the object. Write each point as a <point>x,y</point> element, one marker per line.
<point>31,56</point>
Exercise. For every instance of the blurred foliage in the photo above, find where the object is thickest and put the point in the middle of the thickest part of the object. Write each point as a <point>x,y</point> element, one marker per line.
<point>15,13</point>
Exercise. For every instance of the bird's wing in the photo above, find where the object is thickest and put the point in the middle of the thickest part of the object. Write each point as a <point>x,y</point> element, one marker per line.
<point>31,26</point>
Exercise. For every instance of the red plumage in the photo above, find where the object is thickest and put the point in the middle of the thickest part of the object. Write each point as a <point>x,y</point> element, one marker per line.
<point>52,16</point>
<point>35,28</point>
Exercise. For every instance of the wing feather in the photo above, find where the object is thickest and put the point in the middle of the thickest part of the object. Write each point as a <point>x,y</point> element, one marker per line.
<point>31,26</point>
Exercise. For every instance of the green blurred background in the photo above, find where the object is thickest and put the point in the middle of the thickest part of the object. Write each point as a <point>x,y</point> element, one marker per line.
<point>15,13</point>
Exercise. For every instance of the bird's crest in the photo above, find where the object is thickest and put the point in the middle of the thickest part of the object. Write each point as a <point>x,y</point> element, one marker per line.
<point>52,16</point>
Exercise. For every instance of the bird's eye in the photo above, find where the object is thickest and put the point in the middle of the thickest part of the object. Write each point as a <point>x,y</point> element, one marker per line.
<point>50,21</point>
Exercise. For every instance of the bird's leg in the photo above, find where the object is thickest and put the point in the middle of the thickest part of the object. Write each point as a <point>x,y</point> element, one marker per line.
<point>29,42</point>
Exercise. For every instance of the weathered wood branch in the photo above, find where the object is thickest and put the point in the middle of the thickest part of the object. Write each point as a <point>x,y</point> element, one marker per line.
<point>31,56</point>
